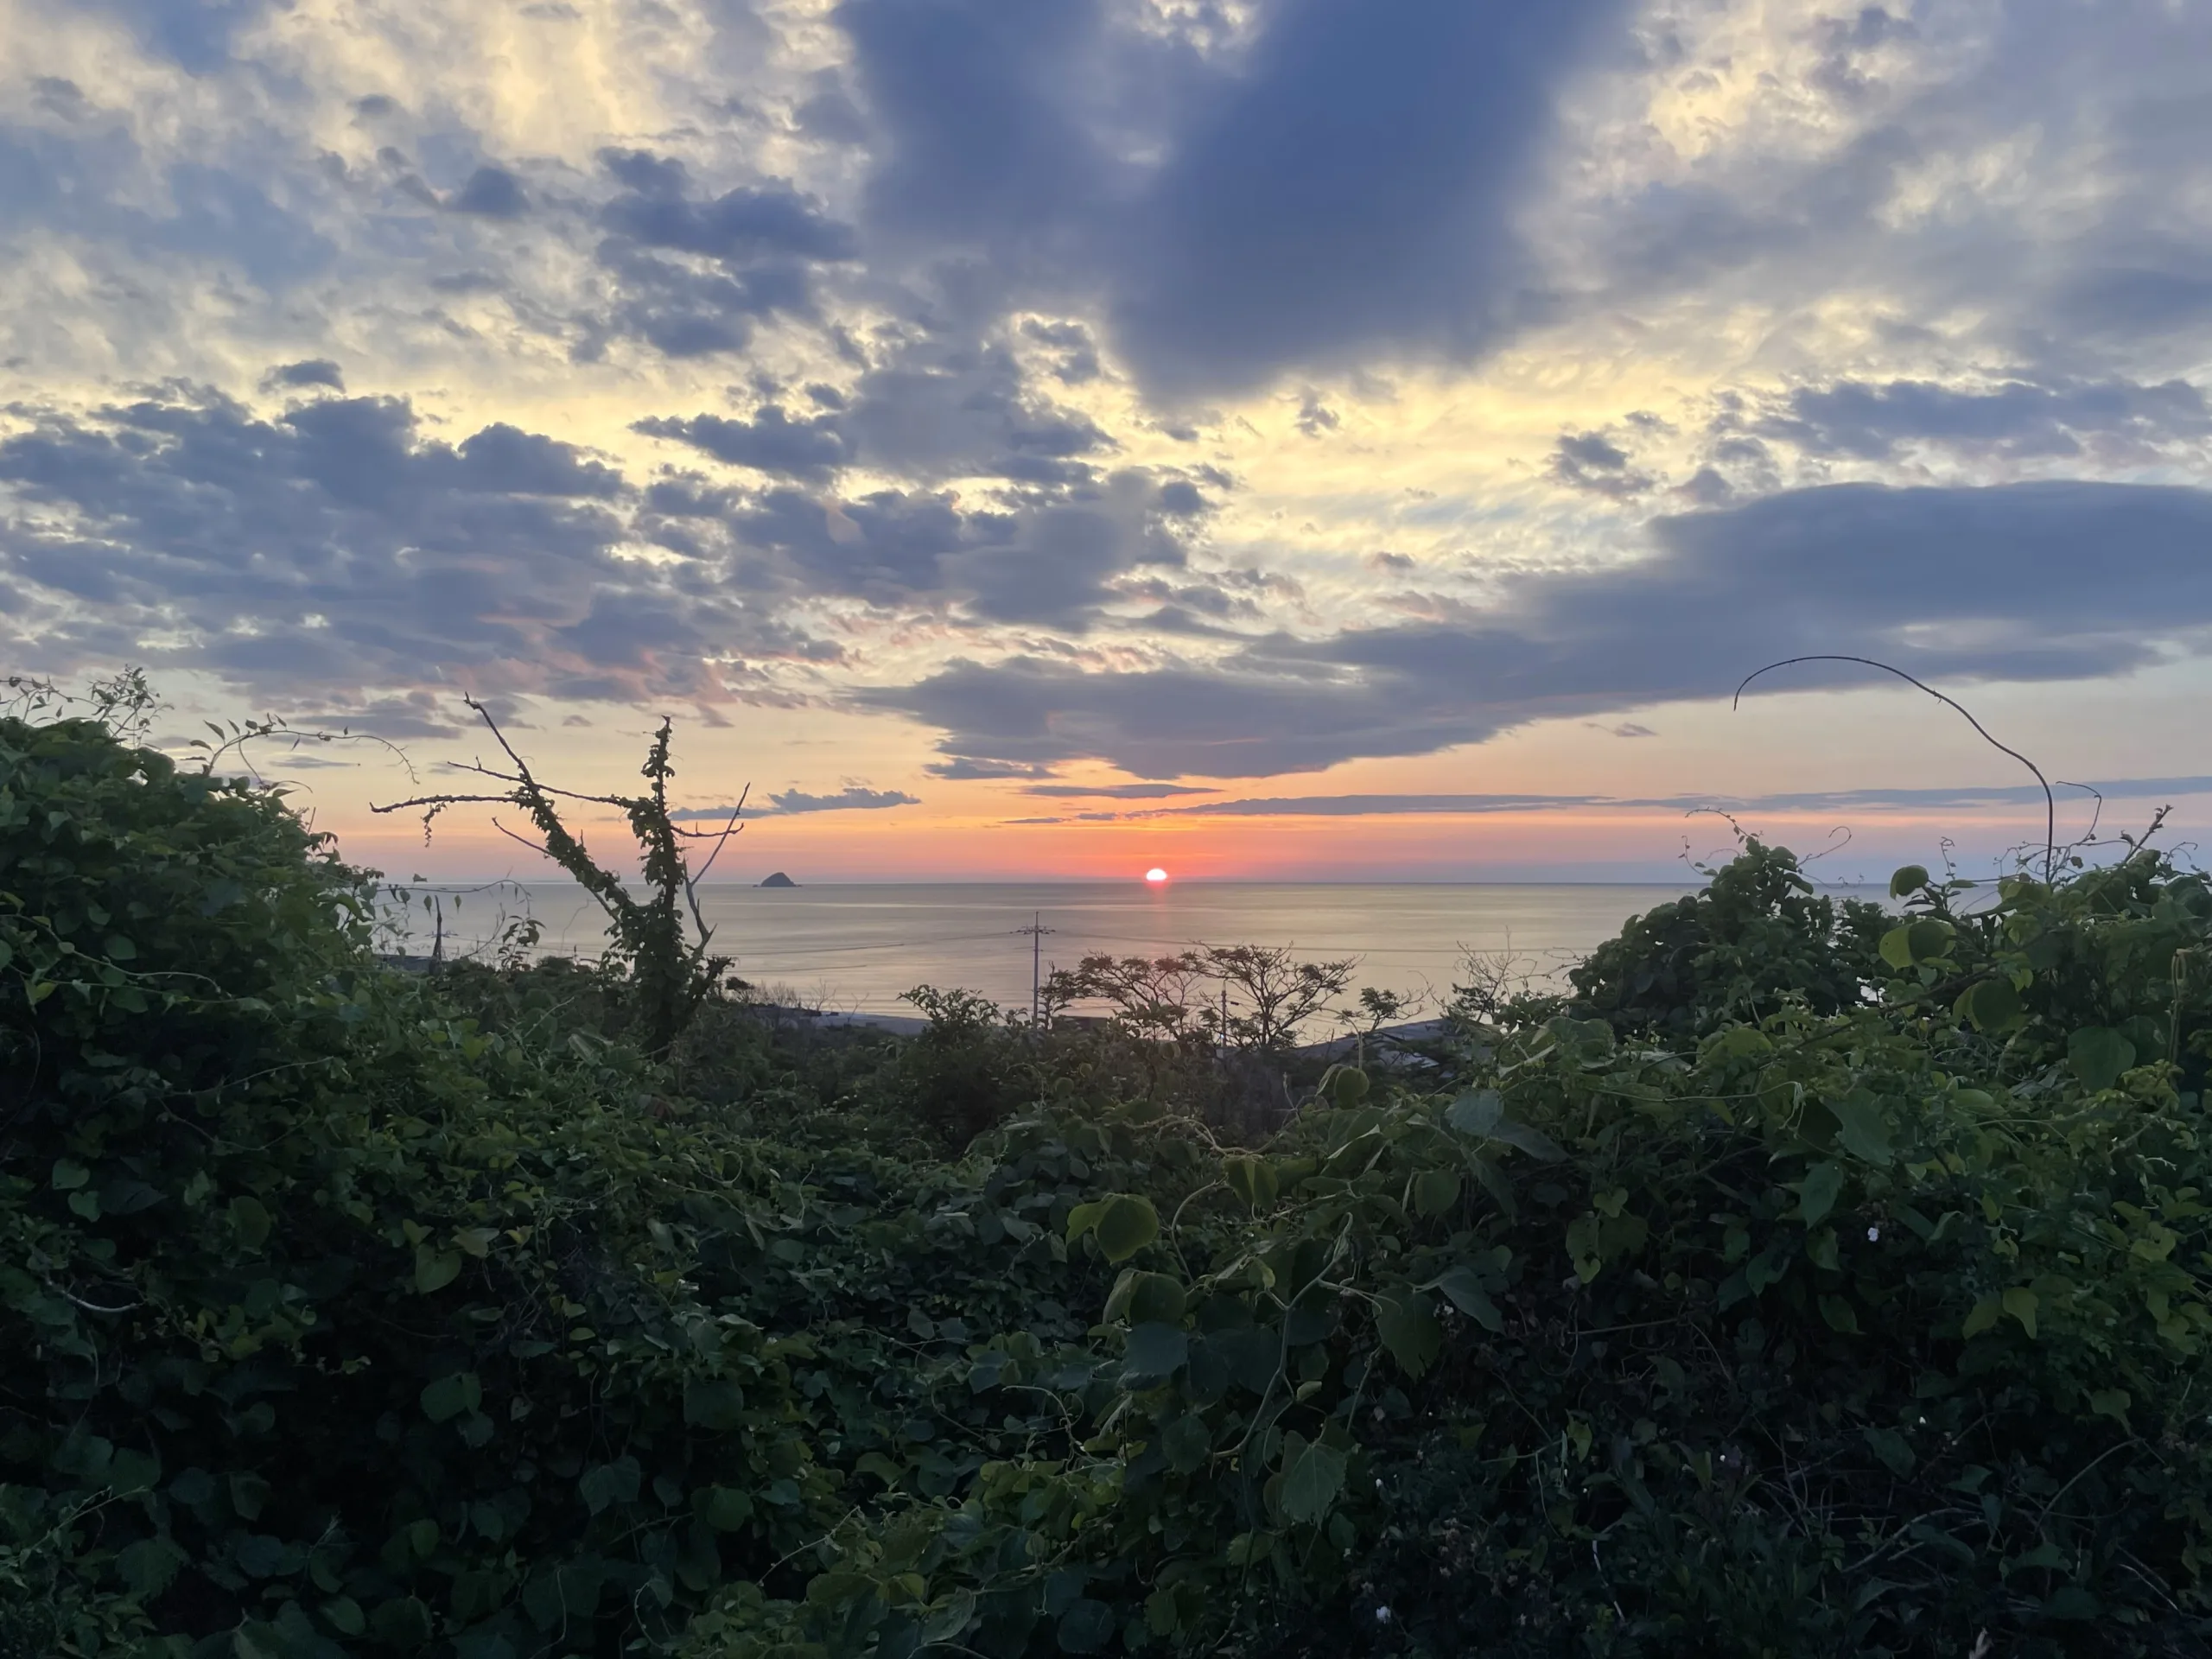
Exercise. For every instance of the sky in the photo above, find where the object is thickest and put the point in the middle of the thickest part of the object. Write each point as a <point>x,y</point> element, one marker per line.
<point>1289,439</point>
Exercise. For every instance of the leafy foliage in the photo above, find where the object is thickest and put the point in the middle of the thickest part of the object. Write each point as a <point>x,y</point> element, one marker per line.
<point>1755,937</point>
<point>1841,1288</point>
<point>970,1070</point>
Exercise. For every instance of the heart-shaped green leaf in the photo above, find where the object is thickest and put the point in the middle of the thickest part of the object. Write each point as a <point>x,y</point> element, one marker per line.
<point>2098,1055</point>
<point>1823,1181</point>
<point>1992,1004</point>
<point>1312,1477</point>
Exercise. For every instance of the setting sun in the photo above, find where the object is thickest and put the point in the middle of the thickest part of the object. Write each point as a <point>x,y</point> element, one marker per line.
<point>1155,875</point>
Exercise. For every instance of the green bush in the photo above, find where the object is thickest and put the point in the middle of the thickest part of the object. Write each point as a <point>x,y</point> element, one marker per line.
<point>1868,1328</point>
<point>1757,936</point>
<point>967,1071</point>
<point>1843,1293</point>
<point>335,1319</point>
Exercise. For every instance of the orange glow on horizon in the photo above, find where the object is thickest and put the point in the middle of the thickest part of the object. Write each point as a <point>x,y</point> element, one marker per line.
<point>864,847</point>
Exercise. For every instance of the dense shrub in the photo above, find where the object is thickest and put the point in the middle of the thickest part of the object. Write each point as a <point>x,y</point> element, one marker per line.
<point>1757,936</point>
<point>1840,1288</point>
<point>967,1071</point>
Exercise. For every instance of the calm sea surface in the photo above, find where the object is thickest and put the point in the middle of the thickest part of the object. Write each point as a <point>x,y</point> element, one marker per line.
<point>859,948</point>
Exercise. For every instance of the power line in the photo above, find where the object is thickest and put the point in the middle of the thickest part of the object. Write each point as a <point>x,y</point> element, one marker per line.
<point>1036,931</point>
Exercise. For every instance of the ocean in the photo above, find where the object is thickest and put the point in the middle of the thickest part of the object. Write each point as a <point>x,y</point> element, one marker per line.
<point>859,948</point>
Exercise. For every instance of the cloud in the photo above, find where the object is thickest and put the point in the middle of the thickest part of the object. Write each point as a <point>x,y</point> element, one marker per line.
<point>491,193</point>
<point>1078,361</point>
<point>1375,806</point>
<point>2017,418</point>
<point>315,372</point>
<point>931,413</point>
<point>953,284</point>
<point>1114,792</point>
<point>1314,416</point>
<point>148,218</point>
<point>750,223</point>
<point>1230,720</point>
<point>1592,462</point>
<point>2107,302</point>
<point>852,797</point>
<point>1912,174</point>
<point>693,274</point>
<point>337,545</point>
<point>196,34</point>
<point>1846,42</point>
<point>1051,556</point>
<point>1402,130</point>
<point>941,411</point>
<point>1340,184</point>
<point>961,769</point>
<point>771,441</point>
<point>1365,806</point>
<point>2029,582</point>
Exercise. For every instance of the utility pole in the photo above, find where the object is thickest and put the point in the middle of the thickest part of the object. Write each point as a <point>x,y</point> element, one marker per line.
<point>1036,931</point>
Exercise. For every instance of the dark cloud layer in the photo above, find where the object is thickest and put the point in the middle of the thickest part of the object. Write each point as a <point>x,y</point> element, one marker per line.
<point>2018,418</point>
<point>693,274</point>
<point>1113,791</point>
<point>930,414</point>
<point>1347,191</point>
<point>337,545</point>
<point>771,441</point>
<point>1383,806</point>
<point>1592,462</point>
<point>854,797</point>
<point>851,797</point>
<point>1051,556</point>
<point>1342,185</point>
<point>340,543</point>
<point>2024,582</point>
<point>315,372</point>
<point>491,193</point>
<point>195,33</point>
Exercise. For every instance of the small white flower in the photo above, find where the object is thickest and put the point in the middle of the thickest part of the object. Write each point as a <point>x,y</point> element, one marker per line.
<point>1382,1615</point>
<point>1873,1235</point>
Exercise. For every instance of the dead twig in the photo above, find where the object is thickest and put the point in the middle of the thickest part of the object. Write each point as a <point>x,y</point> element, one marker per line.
<point>2050,801</point>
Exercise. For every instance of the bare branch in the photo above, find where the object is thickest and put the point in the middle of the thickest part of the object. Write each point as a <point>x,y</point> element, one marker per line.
<point>2050,801</point>
<point>534,846</point>
<point>525,781</point>
<point>728,830</point>
<point>444,800</point>
<point>484,714</point>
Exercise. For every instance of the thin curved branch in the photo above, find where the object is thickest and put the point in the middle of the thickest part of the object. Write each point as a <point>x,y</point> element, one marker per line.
<point>2050,801</point>
<point>94,1307</point>
<point>492,725</point>
<point>721,840</point>
<point>525,781</point>
<point>445,800</point>
<point>524,840</point>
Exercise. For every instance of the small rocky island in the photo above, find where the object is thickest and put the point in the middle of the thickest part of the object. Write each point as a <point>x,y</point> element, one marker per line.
<point>779,879</point>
